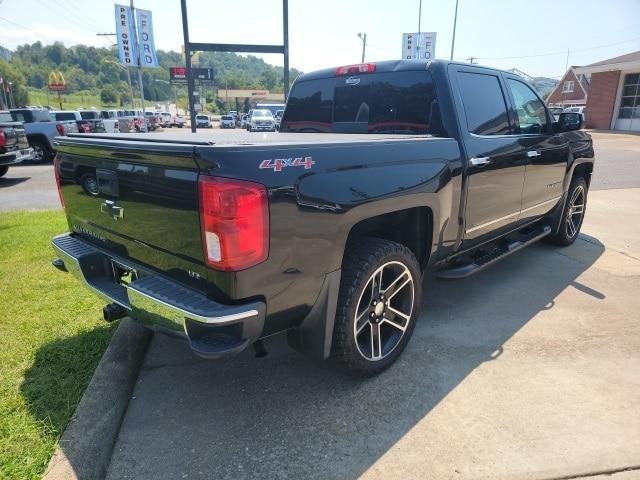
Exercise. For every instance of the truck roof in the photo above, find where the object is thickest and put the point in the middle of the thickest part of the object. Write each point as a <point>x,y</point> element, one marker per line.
<point>388,66</point>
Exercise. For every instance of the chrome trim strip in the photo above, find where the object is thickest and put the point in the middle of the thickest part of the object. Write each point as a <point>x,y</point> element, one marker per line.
<point>541,204</point>
<point>486,224</point>
<point>514,214</point>
<point>194,316</point>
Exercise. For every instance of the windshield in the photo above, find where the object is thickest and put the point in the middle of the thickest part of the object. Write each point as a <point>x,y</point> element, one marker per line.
<point>227,117</point>
<point>202,117</point>
<point>89,115</point>
<point>388,102</point>
<point>262,113</point>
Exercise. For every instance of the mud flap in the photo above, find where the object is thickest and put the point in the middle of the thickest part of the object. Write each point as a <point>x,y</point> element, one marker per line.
<point>313,336</point>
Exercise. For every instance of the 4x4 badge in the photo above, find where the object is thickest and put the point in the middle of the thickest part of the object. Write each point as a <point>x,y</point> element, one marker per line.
<point>110,208</point>
<point>277,164</point>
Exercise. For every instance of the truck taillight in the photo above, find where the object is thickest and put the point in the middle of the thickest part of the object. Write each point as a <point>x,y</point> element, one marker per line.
<point>357,68</point>
<point>56,171</point>
<point>3,138</point>
<point>234,218</point>
<point>61,129</point>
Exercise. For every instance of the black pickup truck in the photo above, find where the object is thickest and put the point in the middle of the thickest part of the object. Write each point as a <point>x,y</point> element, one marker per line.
<point>324,230</point>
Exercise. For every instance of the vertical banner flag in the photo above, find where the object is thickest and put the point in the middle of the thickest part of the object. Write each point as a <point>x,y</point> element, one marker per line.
<point>126,37</point>
<point>419,46</point>
<point>148,57</point>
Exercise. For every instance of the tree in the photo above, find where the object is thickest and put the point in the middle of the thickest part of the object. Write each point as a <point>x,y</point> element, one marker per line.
<point>108,95</point>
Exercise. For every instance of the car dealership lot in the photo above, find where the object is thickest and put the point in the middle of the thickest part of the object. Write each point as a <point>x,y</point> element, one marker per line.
<point>530,369</point>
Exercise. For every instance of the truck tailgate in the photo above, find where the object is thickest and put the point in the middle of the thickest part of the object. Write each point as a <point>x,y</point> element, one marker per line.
<point>136,199</point>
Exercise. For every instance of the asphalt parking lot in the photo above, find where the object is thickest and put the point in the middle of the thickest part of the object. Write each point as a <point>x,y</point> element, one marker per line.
<point>530,369</point>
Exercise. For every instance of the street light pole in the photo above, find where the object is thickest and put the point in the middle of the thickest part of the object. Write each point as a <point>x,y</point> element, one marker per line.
<point>363,37</point>
<point>453,39</point>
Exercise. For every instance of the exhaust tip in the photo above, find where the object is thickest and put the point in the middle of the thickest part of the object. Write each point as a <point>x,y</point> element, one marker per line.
<point>113,311</point>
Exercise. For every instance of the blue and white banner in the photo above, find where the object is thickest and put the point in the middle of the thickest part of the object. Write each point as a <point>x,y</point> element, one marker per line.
<point>148,57</point>
<point>126,36</point>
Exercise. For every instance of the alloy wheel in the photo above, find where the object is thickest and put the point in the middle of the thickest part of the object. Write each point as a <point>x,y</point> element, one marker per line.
<point>575,212</point>
<point>384,311</point>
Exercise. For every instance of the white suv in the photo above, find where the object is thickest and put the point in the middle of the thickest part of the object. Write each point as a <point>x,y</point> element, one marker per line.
<point>262,120</point>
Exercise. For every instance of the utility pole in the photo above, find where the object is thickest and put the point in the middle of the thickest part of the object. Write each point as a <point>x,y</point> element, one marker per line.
<point>472,59</point>
<point>453,39</point>
<point>285,49</point>
<point>187,60</point>
<point>363,37</point>
<point>135,34</point>
<point>419,30</point>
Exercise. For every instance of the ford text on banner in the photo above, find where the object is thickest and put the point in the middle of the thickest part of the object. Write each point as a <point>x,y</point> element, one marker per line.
<point>126,37</point>
<point>148,57</point>
<point>419,46</point>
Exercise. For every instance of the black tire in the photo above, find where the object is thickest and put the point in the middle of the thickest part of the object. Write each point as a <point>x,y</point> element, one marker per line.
<point>42,151</point>
<point>364,258</point>
<point>572,217</point>
<point>3,170</point>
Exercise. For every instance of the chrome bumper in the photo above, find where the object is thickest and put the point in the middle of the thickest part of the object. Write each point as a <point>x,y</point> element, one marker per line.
<point>213,329</point>
<point>11,158</point>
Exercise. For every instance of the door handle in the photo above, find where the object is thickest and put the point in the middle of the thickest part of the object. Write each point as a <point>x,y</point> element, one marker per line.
<point>533,153</point>
<point>479,161</point>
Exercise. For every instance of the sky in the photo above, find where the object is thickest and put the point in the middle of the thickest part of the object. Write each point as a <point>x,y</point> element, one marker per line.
<point>533,36</point>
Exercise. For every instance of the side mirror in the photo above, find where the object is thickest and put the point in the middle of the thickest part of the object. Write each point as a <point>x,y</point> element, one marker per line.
<point>568,122</point>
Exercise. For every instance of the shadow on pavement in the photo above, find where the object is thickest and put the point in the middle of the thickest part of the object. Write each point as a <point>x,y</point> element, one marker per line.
<point>9,182</point>
<point>288,416</point>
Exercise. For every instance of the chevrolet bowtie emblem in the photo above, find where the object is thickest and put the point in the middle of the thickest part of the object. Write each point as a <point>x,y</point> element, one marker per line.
<point>110,208</point>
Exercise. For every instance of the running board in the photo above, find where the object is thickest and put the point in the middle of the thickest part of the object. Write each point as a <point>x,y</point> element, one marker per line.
<point>491,254</point>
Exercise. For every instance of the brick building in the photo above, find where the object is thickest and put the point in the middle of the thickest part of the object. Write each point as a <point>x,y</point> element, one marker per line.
<point>571,91</point>
<point>613,102</point>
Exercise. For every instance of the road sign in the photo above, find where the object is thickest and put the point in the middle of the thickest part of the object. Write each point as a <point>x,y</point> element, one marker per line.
<point>419,46</point>
<point>201,76</point>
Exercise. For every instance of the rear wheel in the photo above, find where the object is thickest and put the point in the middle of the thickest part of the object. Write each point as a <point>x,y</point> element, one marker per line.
<point>380,294</point>
<point>572,215</point>
<point>3,170</point>
<point>41,152</point>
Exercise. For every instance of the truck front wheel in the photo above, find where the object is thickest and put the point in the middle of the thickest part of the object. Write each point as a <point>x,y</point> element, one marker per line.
<point>380,295</point>
<point>572,215</point>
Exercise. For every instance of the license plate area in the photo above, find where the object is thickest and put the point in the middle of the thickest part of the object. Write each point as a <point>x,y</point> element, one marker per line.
<point>123,274</point>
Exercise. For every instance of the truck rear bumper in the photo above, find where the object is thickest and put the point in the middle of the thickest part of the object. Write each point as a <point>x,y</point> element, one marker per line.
<point>211,328</point>
<point>11,158</point>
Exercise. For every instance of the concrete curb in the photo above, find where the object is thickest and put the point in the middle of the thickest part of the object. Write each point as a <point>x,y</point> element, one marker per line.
<point>84,451</point>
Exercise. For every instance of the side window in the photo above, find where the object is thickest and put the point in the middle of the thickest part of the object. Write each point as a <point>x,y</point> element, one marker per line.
<point>484,104</point>
<point>531,114</point>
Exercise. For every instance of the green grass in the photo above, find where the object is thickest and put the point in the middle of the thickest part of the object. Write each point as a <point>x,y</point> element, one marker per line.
<point>51,339</point>
<point>73,101</point>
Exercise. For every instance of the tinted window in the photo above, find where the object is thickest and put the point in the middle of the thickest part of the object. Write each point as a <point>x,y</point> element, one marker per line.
<point>532,116</point>
<point>65,116</point>
<point>393,102</point>
<point>484,104</point>
<point>89,115</point>
<point>5,117</point>
<point>309,107</point>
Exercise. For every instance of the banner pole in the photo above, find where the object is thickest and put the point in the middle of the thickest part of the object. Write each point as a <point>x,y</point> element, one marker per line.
<point>135,35</point>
